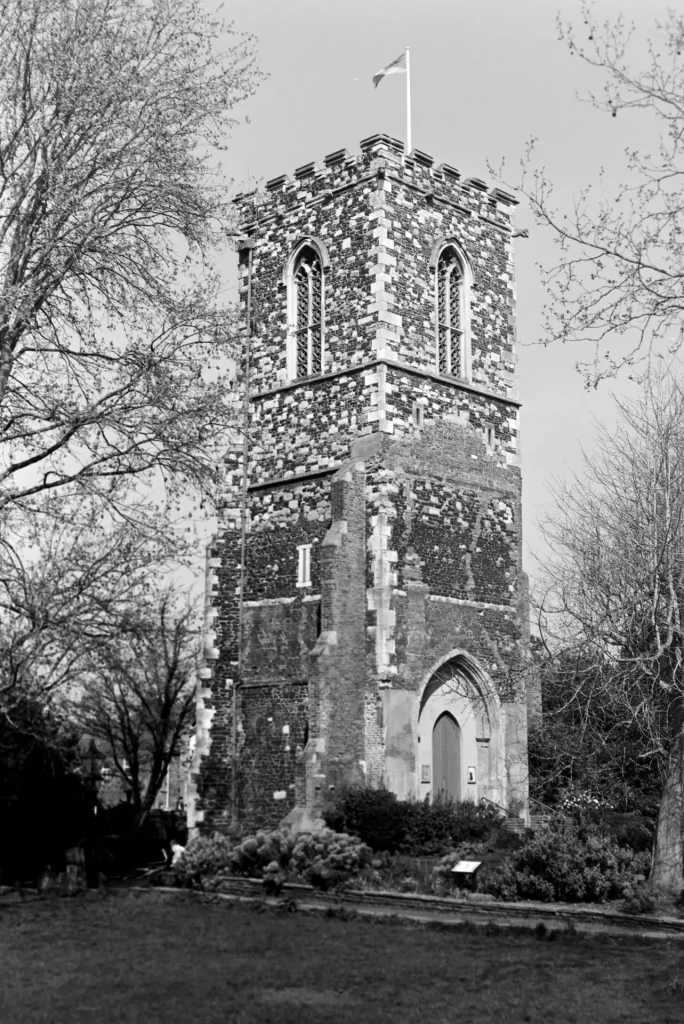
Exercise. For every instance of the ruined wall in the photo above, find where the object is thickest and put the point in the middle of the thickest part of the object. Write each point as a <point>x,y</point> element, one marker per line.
<point>444,511</point>
<point>457,515</point>
<point>274,723</point>
<point>282,623</point>
<point>338,673</point>
<point>432,560</point>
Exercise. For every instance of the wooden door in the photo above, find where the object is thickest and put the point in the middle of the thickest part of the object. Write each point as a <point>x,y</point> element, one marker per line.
<point>446,757</point>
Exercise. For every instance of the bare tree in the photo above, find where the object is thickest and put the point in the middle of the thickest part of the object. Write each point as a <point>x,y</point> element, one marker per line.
<point>140,697</point>
<point>112,349</point>
<point>618,279</point>
<point>614,589</point>
<point>66,582</point>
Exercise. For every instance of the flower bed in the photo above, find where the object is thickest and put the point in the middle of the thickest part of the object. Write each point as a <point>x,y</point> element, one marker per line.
<point>564,862</point>
<point>324,859</point>
<point>571,862</point>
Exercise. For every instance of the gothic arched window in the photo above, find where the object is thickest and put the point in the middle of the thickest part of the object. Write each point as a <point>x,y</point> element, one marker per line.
<point>450,313</point>
<point>307,280</point>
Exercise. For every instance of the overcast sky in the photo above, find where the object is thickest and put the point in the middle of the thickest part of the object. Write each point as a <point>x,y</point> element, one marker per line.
<point>485,78</point>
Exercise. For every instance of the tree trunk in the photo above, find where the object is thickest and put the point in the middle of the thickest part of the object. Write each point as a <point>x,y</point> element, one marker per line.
<point>667,870</point>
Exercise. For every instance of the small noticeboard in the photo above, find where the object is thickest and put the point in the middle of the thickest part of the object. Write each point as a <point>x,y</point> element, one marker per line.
<point>466,873</point>
<point>466,867</point>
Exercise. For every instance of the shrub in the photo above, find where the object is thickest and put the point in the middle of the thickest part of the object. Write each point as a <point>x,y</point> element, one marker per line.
<point>413,827</point>
<point>628,830</point>
<point>204,856</point>
<point>374,815</point>
<point>638,899</point>
<point>567,863</point>
<point>255,853</point>
<point>506,883</point>
<point>324,859</point>
<point>45,806</point>
<point>434,828</point>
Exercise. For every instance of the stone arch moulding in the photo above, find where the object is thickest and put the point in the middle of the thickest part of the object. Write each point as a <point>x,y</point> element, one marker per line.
<point>469,283</point>
<point>479,688</point>
<point>449,240</point>
<point>476,708</point>
<point>319,246</point>
<point>315,243</point>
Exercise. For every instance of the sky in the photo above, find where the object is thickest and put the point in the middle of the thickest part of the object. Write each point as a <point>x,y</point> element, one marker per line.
<point>486,77</point>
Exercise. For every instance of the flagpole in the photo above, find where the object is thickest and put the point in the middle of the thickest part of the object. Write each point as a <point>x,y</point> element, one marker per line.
<point>408,102</point>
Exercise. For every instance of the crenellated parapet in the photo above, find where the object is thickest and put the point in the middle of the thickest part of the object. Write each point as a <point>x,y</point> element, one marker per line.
<point>381,156</point>
<point>379,221</point>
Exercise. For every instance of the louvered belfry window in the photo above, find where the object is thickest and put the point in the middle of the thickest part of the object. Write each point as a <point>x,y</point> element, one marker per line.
<point>308,282</point>
<point>449,314</point>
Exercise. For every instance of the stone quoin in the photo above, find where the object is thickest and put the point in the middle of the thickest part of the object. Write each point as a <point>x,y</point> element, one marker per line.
<point>385,608</point>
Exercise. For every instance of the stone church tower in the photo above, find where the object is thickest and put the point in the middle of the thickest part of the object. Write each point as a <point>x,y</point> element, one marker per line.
<point>385,609</point>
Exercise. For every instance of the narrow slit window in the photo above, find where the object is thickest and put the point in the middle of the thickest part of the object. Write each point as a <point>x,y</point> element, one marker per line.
<point>418,414</point>
<point>308,284</point>
<point>490,436</point>
<point>304,565</point>
<point>450,314</point>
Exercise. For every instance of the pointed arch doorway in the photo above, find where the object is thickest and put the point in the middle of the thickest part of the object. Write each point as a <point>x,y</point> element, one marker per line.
<point>446,757</point>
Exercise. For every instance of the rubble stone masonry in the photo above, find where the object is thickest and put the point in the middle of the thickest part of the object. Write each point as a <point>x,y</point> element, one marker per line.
<point>404,481</point>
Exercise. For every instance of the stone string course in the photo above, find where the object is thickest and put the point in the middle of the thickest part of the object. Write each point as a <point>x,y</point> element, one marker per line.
<point>402,511</point>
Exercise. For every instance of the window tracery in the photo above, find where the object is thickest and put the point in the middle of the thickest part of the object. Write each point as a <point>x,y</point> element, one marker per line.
<point>308,308</point>
<point>450,313</point>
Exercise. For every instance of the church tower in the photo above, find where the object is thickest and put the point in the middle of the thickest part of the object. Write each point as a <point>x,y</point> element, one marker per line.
<point>385,622</point>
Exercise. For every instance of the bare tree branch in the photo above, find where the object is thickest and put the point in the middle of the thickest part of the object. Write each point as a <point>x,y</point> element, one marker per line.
<point>614,588</point>
<point>114,355</point>
<point>139,695</point>
<point>618,280</point>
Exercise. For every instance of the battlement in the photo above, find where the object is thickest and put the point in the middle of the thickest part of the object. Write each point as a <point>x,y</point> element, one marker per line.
<point>381,157</point>
<point>378,221</point>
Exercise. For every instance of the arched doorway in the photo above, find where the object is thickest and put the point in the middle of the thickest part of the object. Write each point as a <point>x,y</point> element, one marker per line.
<point>446,757</point>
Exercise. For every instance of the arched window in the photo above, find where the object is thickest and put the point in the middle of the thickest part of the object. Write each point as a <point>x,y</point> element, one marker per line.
<point>451,313</point>
<point>307,282</point>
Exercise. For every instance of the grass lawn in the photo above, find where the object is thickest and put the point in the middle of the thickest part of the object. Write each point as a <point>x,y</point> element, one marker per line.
<point>125,959</point>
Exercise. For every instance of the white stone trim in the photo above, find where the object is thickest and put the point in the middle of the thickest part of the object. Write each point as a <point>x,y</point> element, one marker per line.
<point>469,604</point>
<point>465,299</point>
<point>460,708</point>
<point>304,565</point>
<point>318,246</point>
<point>481,722</point>
<point>379,596</point>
